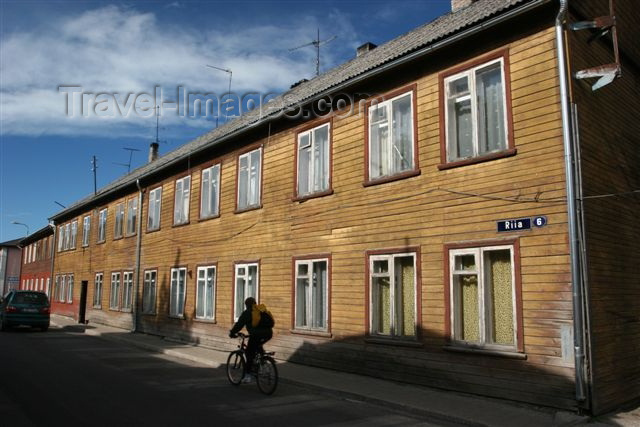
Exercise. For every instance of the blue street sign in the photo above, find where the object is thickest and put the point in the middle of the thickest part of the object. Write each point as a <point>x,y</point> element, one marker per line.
<point>514,224</point>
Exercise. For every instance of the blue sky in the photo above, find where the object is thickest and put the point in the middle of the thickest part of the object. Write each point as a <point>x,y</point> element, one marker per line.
<point>132,48</point>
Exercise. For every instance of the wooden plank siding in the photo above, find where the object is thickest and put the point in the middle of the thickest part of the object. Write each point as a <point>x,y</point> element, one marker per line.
<point>610,152</point>
<point>427,211</point>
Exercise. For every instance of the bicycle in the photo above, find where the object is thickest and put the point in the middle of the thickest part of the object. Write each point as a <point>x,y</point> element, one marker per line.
<point>264,367</point>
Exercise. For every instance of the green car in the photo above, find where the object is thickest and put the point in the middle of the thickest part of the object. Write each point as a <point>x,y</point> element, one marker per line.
<point>29,308</point>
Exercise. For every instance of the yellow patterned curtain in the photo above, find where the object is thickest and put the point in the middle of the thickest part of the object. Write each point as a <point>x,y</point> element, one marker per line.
<point>384,306</point>
<point>408,297</point>
<point>469,309</point>
<point>500,288</point>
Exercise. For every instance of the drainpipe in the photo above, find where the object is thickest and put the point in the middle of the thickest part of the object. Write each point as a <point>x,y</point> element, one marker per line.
<point>52,282</point>
<point>576,279</point>
<point>134,299</point>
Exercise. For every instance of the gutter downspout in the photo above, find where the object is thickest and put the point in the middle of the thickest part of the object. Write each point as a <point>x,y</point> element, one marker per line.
<point>52,282</point>
<point>576,278</point>
<point>134,300</point>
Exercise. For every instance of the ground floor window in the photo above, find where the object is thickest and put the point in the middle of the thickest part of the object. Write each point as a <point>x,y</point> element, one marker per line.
<point>205,293</point>
<point>69,288</point>
<point>246,285</point>
<point>127,290</point>
<point>178,288</point>
<point>149,292</point>
<point>482,297</point>
<point>114,298</point>
<point>97,291</point>
<point>392,286</point>
<point>311,294</point>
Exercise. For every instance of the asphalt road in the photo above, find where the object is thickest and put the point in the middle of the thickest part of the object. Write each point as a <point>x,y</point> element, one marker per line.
<point>63,377</point>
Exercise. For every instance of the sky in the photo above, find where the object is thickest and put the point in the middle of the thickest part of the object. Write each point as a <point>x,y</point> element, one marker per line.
<point>82,78</point>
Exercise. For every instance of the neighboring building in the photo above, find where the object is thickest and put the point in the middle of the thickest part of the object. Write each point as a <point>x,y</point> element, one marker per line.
<point>37,262</point>
<point>9,266</point>
<point>463,217</point>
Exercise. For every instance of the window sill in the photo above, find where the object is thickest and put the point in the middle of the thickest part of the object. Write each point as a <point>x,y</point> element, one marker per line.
<point>181,224</point>
<point>321,334</point>
<point>153,230</point>
<point>486,158</point>
<point>393,342</point>
<point>248,208</point>
<point>306,197</point>
<point>126,310</point>
<point>97,307</point>
<point>391,178</point>
<point>209,321</point>
<point>207,218</point>
<point>485,352</point>
<point>176,316</point>
<point>118,238</point>
<point>149,313</point>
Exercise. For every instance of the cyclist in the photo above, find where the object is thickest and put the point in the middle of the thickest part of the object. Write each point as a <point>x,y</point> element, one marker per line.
<point>258,333</point>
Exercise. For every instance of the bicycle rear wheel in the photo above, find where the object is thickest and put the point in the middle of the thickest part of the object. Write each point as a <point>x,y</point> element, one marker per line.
<point>267,375</point>
<point>235,367</point>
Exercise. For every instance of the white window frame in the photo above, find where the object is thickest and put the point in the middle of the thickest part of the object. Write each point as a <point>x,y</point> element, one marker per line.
<point>86,229</point>
<point>118,226</point>
<point>69,288</point>
<point>67,236</point>
<point>60,238</point>
<point>74,234</point>
<point>210,192</point>
<point>316,181</point>
<point>390,151</point>
<point>181,200</point>
<point>241,285</point>
<point>483,299</point>
<point>310,322</point>
<point>472,96</point>
<point>114,294</point>
<point>178,292</point>
<point>48,288</point>
<point>97,290</point>
<point>395,320</point>
<point>127,290</point>
<point>63,288</point>
<point>249,180</point>
<point>155,209</point>
<point>206,292</point>
<point>149,290</point>
<point>102,225</point>
<point>132,216</point>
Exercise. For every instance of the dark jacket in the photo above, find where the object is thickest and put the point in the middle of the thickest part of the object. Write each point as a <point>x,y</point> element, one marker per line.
<point>244,321</point>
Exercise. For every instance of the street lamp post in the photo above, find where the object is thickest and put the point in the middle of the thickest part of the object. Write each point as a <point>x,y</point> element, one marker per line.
<point>21,223</point>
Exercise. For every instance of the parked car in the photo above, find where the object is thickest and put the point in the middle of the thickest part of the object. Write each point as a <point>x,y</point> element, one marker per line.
<point>28,308</point>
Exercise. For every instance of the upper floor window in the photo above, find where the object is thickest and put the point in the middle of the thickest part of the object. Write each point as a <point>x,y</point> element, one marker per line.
<point>246,285</point>
<point>102,225</point>
<point>475,110</point>
<point>67,235</point>
<point>391,136</point>
<point>210,192</point>
<point>86,229</point>
<point>181,205</point>
<point>74,235</point>
<point>60,238</point>
<point>155,205</point>
<point>132,215</point>
<point>313,161</point>
<point>119,223</point>
<point>249,177</point>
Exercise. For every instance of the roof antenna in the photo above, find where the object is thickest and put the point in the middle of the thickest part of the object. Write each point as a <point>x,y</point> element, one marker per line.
<point>228,100</point>
<point>316,43</point>
<point>131,150</point>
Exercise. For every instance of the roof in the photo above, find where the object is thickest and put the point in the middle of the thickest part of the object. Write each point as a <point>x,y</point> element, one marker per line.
<point>13,243</point>
<point>37,235</point>
<point>401,47</point>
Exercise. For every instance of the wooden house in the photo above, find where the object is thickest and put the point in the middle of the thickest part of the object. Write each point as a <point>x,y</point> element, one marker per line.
<point>37,262</point>
<point>453,208</point>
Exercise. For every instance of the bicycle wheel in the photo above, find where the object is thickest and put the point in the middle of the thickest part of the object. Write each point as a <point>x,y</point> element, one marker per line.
<point>267,375</point>
<point>235,367</point>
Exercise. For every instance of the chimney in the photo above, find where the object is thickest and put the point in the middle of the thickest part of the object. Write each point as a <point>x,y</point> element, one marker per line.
<point>368,46</point>
<point>153,151</point>
<point>459,4</point>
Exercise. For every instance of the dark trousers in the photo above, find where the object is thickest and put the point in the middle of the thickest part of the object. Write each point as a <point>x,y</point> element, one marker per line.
<point>254,346</point>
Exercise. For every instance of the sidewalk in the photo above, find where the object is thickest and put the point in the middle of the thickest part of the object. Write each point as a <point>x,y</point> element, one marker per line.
<point>434,404</point>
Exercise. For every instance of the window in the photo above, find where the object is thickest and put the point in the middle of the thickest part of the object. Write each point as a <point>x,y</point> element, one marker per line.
<point>476,111</point>
<point>246,286</point>
<point>114,298</point>
<point>102,225</point>
<point>86,229</point>
<point>482,295</point>
<point>132,216</point>
<point>62,289</point>
<point>149,292</point>
<point>69,288</point>
<point>97,291</point>
<point>391,137</point>
<point>249,177</point>
<point>205,293</point>
<point>117,230</point>
<point>47,290</point>
<point>155,202</point>
<point>127,288</point>
<point>313,161</point>
<point>210,192</point>
<point>67,236</point>
<point>181,205</point>
<point>60,238</point>
<point>74,234</point>
<point>393,284</point>
<point>178,288</point>
<point>311,294</point>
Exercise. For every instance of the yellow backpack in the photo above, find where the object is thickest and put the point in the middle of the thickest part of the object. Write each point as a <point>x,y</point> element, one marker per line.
<point>261,317</point>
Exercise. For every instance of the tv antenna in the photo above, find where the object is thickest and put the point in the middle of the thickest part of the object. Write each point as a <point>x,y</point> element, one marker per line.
<point>316,43</point>
<point>228,100</point>
<point>131,150</point>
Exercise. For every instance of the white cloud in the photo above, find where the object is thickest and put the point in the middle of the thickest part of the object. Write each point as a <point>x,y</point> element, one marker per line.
<point>117,49</point>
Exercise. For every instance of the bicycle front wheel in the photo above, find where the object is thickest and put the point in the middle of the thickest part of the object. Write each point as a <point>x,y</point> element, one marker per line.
<point>267,375</point>
<point>235,367</point>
